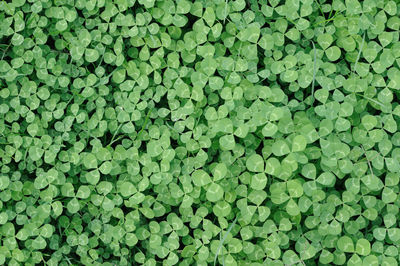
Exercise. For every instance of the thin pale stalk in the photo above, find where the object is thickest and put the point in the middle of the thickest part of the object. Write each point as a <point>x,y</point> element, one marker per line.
<point>314,70</point>
<point>223,240</point>
<point>359,52</point>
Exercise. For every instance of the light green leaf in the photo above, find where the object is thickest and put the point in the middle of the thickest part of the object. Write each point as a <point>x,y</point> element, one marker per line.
<point>255,163</point>
<point>214,192</point>
<point>200,178</point>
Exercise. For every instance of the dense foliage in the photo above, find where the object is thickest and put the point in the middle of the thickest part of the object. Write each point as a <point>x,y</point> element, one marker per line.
<point>201,132</point>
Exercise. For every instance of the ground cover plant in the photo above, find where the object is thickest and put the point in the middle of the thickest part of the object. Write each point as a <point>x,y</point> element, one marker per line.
<point>160,132</point>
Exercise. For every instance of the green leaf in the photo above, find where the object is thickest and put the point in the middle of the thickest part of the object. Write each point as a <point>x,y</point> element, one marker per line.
<point>290,257</point>
<point>363,247</point>
<point>214,192</point>
<point>280,148</point>
<point>345,244</point>
<point>73,206</point>
<point>93,177</point>
<point>299,143</point>
<point>200,178</point>
<point>294,188</point>
<point>209,16</point>
<point>154,149</point>
<point>90,161</point>
<point>333,53</point>
<point>39,243</point>
<point>227,142</point>
<point>325,40</point>
<point>91,55</point>
<point>292,208</point>
<point>255,163</point>
<point>258,181</point>
<point>83,192</point>
<point>326,179</point>
<point>219,171</point>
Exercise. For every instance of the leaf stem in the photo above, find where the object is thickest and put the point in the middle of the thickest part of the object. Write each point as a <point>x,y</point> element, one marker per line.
<point>314,69</point>
<point>115,133</point>
<point>226,10</point>
<point>224,238</point>
<point>145,122</point>
<point>369,163</point>
<point>320,9</point>
<point>359,53</point>
<point>370,99</point>
<point>5,51</point>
